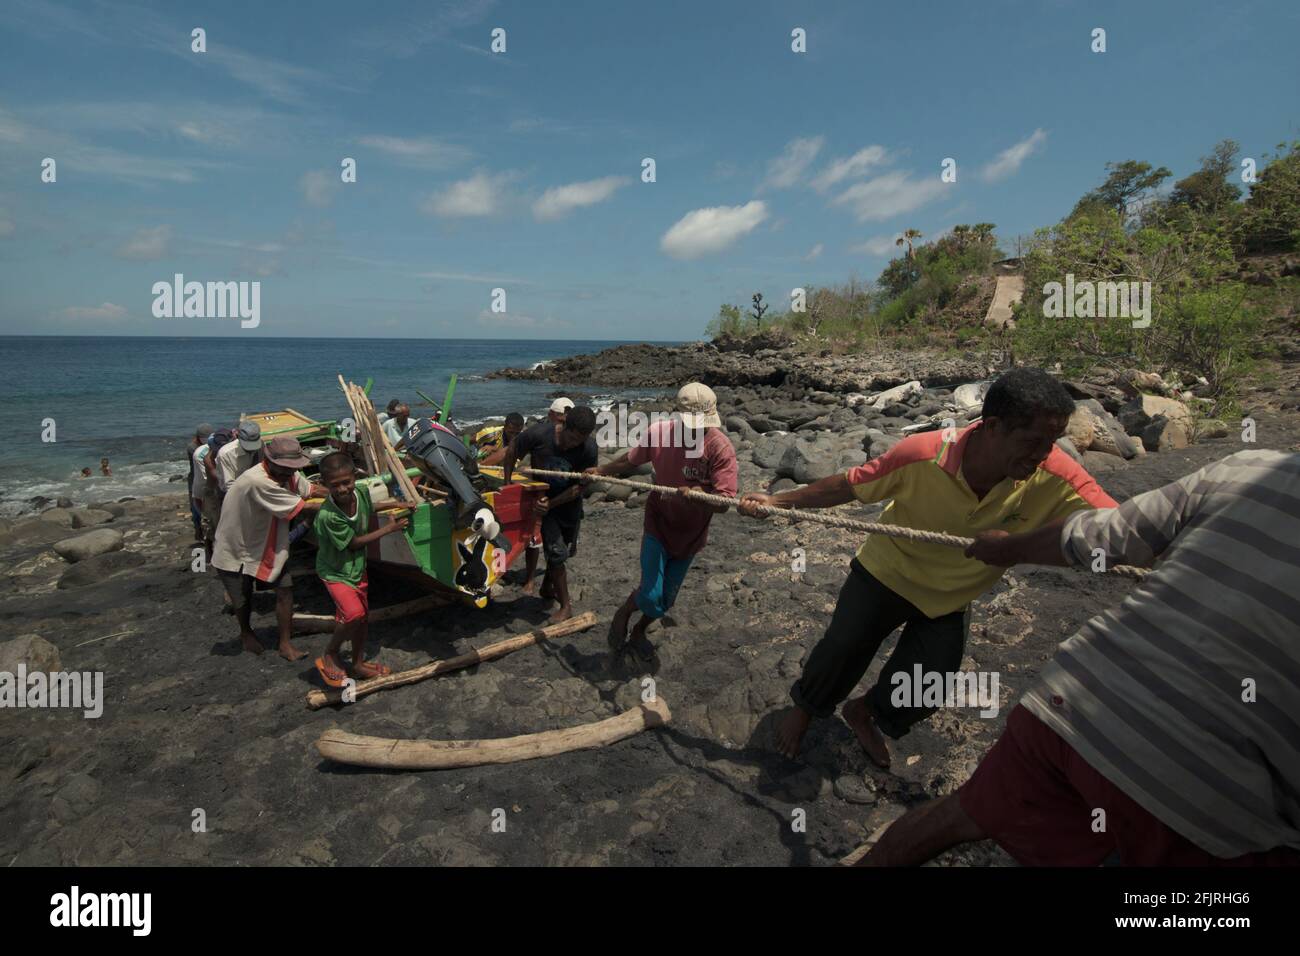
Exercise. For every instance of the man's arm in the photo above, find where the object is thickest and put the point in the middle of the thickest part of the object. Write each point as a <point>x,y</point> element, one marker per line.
<point>1040,546</point>
<point>1135,533</point>
<point>565,496</point>
<point>359,541</point>
<point>508,462</point>
<point>826,493</point>
<point>617,468</point>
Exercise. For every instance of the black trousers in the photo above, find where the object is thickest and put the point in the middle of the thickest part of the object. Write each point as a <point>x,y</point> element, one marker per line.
<point>866,613</point>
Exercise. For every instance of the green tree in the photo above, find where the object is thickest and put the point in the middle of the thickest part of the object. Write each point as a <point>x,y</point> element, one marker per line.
<point>1126,183</point>
<point>1271,214</point>
<point>1208,189</point>
<point>728,321</point>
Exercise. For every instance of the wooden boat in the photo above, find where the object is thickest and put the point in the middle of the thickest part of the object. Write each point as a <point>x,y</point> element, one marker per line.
<point>435,552</point>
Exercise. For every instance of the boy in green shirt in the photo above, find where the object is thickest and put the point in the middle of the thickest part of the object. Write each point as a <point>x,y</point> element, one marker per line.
<point>342,533</point>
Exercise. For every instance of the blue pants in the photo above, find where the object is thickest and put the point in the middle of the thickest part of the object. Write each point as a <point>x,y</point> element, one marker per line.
<point>197,516</point>
<point>661,578</point>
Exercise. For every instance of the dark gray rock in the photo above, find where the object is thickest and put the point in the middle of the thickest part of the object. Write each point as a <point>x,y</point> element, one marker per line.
<point>807,462</point>
<point>101,567</point>
<point>99,541</point>
<point>89,517</point>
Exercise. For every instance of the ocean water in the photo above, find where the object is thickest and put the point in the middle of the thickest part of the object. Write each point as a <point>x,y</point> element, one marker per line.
<point>137,401</point>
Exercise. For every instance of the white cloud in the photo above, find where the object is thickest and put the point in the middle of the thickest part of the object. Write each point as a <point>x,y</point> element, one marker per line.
<point>704,231</point>
<point>814,252</point>
<point>12,129</point>
<point>105,311</point>
<point>559,201</point>
<point>784,171</point>
<point>103,161</point>
<point>423,153</point>
<point>889,195</point>
<point>317,187</point>
<point>878,245</point>
<point>1009,160</point>
<point>146,244</point>
<point>850,167</point>
<point>483,194</point>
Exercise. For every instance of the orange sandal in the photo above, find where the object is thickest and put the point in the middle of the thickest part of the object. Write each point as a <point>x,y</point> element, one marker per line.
<point>332,676</point>
<point>381,670</point>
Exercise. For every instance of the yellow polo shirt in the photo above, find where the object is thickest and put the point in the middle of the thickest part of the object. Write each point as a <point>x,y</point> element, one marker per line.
<point>922,475</point>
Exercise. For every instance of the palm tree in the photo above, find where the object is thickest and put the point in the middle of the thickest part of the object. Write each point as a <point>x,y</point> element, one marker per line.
<point>907,237</point>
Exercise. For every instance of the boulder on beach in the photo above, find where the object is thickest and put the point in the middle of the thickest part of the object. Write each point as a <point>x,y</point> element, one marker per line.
<point>58,516</point>
<point>99,568</point>
<point>770,449</point>
<point>1067,446</point>
<point>1138,418</point>
<point>99,541</point>
<point>1107,434</point>
<point>31,650</point>
<point>1098,463</point>
<point>900,393</point>
<point>808,461</point>
<point>970,397</point>
<point>89,517</point>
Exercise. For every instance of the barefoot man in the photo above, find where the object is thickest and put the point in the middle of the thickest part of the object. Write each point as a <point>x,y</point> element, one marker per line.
<point>1148,712</point>
<point>252,542</point>
<point>692,452</point>
<point>558,447</point>
<point>1003,472</point>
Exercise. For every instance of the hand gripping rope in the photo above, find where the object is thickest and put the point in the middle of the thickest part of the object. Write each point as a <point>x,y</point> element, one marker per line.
<point>800,514</point>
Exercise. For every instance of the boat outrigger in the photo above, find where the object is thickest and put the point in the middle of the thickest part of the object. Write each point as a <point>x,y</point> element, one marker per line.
<point>466,527</point>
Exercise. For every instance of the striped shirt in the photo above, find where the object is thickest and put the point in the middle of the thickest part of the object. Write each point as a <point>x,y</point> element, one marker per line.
<point>1187,696</point>
<point>923,476</point>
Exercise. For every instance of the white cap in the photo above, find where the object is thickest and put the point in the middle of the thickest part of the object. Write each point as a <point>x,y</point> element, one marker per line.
<point>561,405</point>
<point>698,406</point>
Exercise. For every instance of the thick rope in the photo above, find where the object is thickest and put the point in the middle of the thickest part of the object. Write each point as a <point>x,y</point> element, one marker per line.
<point>801,514</point>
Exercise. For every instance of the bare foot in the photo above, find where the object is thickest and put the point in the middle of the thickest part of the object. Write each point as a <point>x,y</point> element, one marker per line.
<point>250,642</point>
<point>291,653</point>
<point>530,587</point>
<point>789,733</point>
<point>857,715</point>
<point>563,614</point>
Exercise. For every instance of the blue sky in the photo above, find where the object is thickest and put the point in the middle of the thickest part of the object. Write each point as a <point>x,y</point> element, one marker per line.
<point>522,170</point>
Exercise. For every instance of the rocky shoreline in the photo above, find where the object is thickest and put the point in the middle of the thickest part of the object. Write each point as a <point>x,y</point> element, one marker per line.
<point>757,361</point>
<point>190,724</point>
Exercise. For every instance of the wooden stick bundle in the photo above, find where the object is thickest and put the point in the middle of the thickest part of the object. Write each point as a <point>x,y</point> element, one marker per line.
<point>388,754</point>
<point>319,698</point>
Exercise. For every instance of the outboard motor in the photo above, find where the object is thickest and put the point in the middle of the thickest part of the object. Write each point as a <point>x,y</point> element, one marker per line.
<point>442,456</point>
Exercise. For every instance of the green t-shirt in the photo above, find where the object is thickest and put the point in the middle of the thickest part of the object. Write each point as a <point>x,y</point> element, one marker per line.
<point>335,561</point>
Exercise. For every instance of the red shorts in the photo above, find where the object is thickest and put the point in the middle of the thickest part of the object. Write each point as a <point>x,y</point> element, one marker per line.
<point>351,603</point>
<point>1036,797</point>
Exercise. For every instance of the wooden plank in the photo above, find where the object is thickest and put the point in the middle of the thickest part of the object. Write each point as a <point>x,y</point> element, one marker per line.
<point>319,698</point>
<point>387,754</point>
